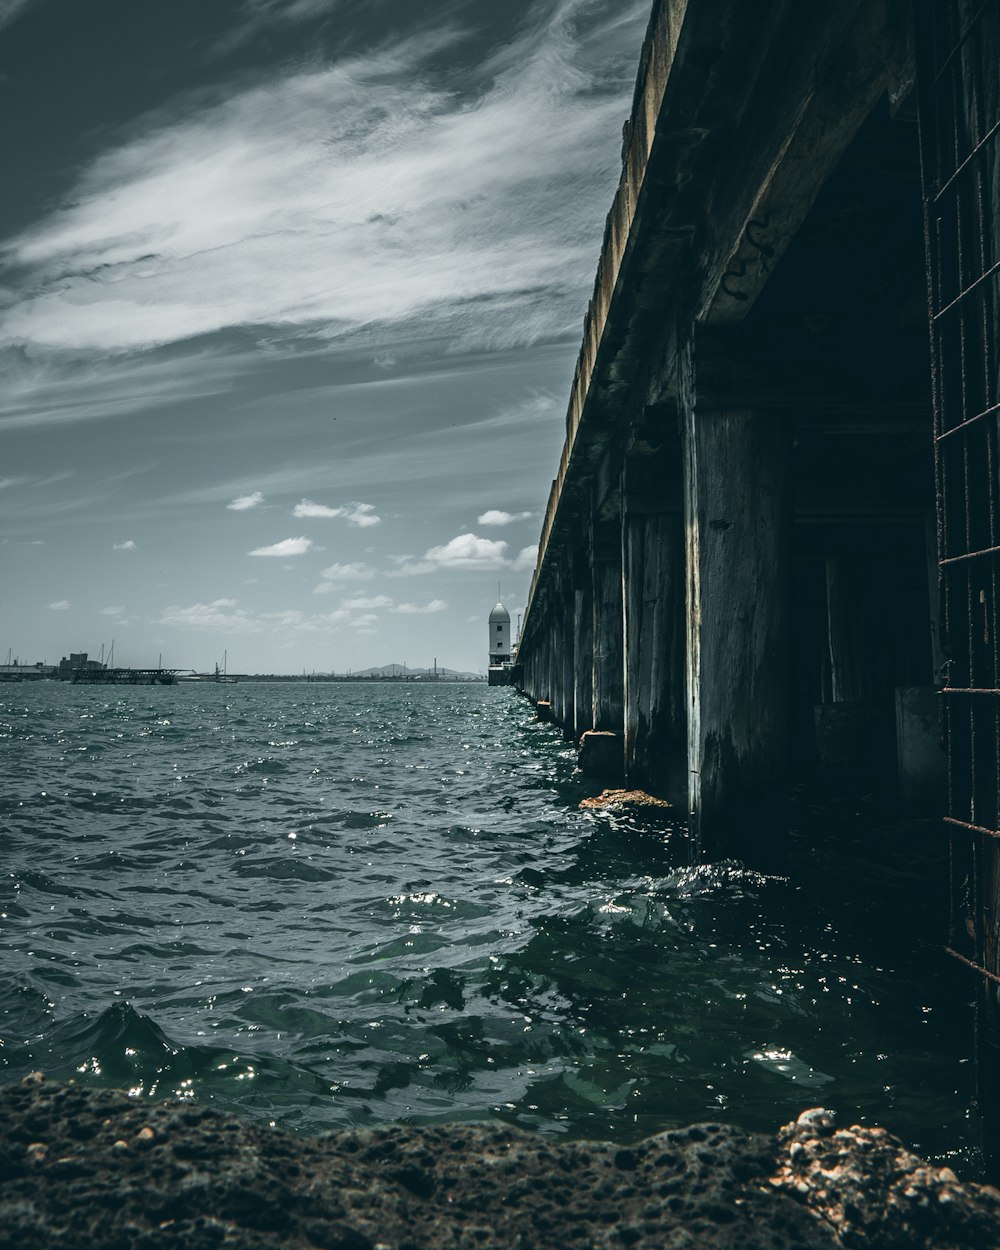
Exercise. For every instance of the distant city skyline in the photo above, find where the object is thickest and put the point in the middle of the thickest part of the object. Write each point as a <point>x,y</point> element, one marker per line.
<point>291,302</point>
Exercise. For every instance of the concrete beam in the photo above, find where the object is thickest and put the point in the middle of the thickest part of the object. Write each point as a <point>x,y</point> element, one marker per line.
<point>738,519</point>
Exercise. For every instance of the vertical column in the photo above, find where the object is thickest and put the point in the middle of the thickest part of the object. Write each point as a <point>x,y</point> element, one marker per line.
<point>608,631</point>
<point>583,640</point>
<point>569,660</point>
<point>738,516</point>
<point>848,606</point>
<point>549,687</point>
<point>653,565</point>
<point>562,630</point>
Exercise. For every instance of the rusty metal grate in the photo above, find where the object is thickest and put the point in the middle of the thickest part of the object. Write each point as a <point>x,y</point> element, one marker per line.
<point>958,43</point>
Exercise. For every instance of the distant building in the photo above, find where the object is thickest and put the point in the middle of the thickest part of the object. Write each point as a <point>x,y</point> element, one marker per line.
<point>77,663</point>
<point>499,647</point>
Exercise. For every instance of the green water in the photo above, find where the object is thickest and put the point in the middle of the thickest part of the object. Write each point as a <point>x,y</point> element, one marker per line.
<point>344,904</point>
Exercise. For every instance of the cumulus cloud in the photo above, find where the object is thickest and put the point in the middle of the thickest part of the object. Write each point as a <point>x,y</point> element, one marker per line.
<point>127,545</point>
<point>360,514</point>
<point>345,195</point>
<point>60,605</point>
<point>496,517</point>
<point>525,559</point>
<point>287,547</point>
<point>334,575</point>
<point>114,610</point>
<point>363,515</point>
<point>465,551</point>
<point>415,609</point>
<point>243,503</point>
<point>306,508</point>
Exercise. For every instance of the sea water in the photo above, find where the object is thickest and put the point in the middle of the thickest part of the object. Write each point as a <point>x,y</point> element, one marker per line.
<point>342,904</point>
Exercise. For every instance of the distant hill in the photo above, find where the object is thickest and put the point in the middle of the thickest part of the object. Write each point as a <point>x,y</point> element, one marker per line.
<point>401,670</point>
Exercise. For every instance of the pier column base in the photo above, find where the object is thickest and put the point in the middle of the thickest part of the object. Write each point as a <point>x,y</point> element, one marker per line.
<point>737,505</point>
<point>655,714</point>
<point>601,755</point>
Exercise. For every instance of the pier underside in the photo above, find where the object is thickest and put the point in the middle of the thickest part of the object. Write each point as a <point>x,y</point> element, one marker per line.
<point>770,557</point>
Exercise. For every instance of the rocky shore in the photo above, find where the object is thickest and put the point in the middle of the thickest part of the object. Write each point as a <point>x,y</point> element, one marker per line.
<point>88,1169</point>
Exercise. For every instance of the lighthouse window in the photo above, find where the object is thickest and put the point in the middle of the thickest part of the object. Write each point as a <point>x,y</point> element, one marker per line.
<point>499,629</point>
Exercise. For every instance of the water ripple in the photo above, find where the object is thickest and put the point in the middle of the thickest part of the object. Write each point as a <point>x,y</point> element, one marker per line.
<point>332,905</point>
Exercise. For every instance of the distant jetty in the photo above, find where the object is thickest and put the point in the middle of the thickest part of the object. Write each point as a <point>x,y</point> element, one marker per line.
<point>125,677</point>
<point>79,669</point>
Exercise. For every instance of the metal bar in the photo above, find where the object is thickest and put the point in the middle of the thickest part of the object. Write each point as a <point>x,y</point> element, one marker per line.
<point>974,966</point>
<point>969,690</point>
<point>964,824</point>
<point>994,130</point>
<point>968,290</point>
<point>969,555</point>
<point>961,41</point>
<point>964,425</point>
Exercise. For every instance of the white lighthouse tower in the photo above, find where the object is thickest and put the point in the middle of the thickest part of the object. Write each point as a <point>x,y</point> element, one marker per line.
<point>499,651</point>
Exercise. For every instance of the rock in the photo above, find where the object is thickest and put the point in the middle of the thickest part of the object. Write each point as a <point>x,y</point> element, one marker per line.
<point>208,1179</point>
<point>873,1192</point>
<point>621,800</point>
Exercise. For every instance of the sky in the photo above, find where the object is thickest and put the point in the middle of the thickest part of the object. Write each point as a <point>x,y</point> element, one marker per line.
<point>291,293</point>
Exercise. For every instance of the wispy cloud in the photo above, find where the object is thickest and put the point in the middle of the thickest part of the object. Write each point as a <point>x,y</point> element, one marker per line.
<point>128,545</point>
<point>259,14</point>
<point>220,614</point>
<point>227,616</point>
<point>43,390</point>
<point>337,197</point>
<point>9,9</point>
<point>495,517</point>
<point>113,610</point>
<point>60,605</point>
<point>366,602</point>
<point>359,514</point>
<point>243,503</point>
<point>287,547</point>
<point>415,609</point>
<point>287,10</point>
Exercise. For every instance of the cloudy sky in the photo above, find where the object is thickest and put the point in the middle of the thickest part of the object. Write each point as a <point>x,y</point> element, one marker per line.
<point>290,297</point>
